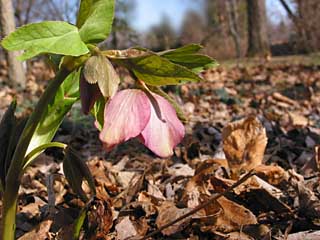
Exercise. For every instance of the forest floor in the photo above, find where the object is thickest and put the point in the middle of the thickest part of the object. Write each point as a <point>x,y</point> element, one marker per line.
<point>240,108</point>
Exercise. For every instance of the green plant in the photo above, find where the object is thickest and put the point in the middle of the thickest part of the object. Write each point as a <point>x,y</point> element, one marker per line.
<point>87,73</point>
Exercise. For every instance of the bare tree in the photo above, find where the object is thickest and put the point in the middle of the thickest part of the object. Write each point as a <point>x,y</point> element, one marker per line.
<point>193,28</point>
<point>258,44</point>
<point>162,36</point>
<point>306,21</point>
<point>16,71</point>
<point>27,11</point>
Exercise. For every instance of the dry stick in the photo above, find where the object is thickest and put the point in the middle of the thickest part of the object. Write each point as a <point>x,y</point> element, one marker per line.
<point>203,205</point>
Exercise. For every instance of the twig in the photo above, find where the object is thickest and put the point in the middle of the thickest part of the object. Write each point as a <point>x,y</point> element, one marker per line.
<point>201,206</point>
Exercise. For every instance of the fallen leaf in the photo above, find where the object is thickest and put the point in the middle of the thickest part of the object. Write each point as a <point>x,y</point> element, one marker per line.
<point>40,232</point>
<point>169,212</point>
<point>279,97</point>
<point>100,216</point>
<point>307,235</point>
<point>234,216</point>
<point>238,235</point>
<point>298,120</point>
<point>128,228</point>
<point>272,174</point>
<point>244,143</point>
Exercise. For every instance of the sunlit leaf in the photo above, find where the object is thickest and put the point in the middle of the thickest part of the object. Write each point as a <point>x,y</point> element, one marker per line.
<point>66,96</point>
<point>158,71</point>
<point>95,19</point>
<point>187,56</point>
<point>244,143</point>
<point>46,37</point>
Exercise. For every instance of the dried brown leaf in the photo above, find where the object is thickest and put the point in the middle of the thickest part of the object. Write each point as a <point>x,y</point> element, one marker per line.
<point>272,174</point>
<point>167,213</point>
<point>298,120</point>
<point>244,143</point>
<point>100,216</point>
<point>307,235</point>
<point>279,97</point>
<point>127,228</point>
<point>40,232</point>
<point>317,156</point>
<point>238,235</point>
<point>234,216</point>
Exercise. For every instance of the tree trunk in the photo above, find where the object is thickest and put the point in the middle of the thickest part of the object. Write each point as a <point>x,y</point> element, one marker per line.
<point>301,29</point>
<point>16,74</point>
<point>233,24</point>
<point>258,44</point>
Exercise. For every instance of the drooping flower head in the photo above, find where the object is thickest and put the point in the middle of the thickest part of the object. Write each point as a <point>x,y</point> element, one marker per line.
<point>129,113</point>
<point>148,116</point>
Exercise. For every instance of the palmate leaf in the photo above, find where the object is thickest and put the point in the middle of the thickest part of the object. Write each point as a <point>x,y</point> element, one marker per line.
<point>66,96</point>
<point>95,19</point>
<point>188,56</point>
<point>156,70</point>
<point>46,37</point>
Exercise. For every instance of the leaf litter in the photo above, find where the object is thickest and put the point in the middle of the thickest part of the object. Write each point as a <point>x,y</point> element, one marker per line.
<point>262,118</point>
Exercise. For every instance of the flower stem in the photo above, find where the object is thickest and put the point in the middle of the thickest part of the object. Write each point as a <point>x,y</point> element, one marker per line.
<point>15,171</point>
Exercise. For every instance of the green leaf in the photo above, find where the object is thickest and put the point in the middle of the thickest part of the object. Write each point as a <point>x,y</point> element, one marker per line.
<point>35,152</point>
<point>187,49</point>
<point>157,71</point>
<point>46,37</point>
<point>99,69</point>
<point>187,56</point>
<point>98,112</point>
<point>95,19</point>
<point>7,127</point>
<point>14,139</point>
<point>78,223</point>
<point>66,96</point>
<point>75,171</point>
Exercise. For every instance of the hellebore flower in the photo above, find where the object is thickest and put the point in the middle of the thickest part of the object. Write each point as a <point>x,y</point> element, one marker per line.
<point>134,113</point>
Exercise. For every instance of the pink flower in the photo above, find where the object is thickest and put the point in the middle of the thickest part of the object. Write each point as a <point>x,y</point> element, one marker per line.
<point>133,113</point>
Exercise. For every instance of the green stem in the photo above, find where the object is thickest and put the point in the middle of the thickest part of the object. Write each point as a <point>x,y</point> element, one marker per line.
<point>28,159</point>
<point>15,171</point>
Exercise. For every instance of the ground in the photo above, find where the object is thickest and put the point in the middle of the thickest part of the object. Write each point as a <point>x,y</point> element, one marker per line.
<point>260,114</point>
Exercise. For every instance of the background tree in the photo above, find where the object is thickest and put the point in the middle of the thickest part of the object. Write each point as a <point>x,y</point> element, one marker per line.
<point>226,28</point>
<point>123,35</point>
<point>27,11</point>
<point>162,36</point>
<point>16,74</point>
<point>232,9</point>
<point>193,28</point>
<point>307,27</point>
<point>258,43</point>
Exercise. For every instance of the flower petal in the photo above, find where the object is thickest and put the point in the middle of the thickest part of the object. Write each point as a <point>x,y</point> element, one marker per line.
<point>162,135</point>
<point>125,116</point>
<point>89,93</point>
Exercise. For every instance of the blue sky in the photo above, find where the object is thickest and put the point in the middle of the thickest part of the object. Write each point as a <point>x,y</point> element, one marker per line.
<point>150,12</point>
